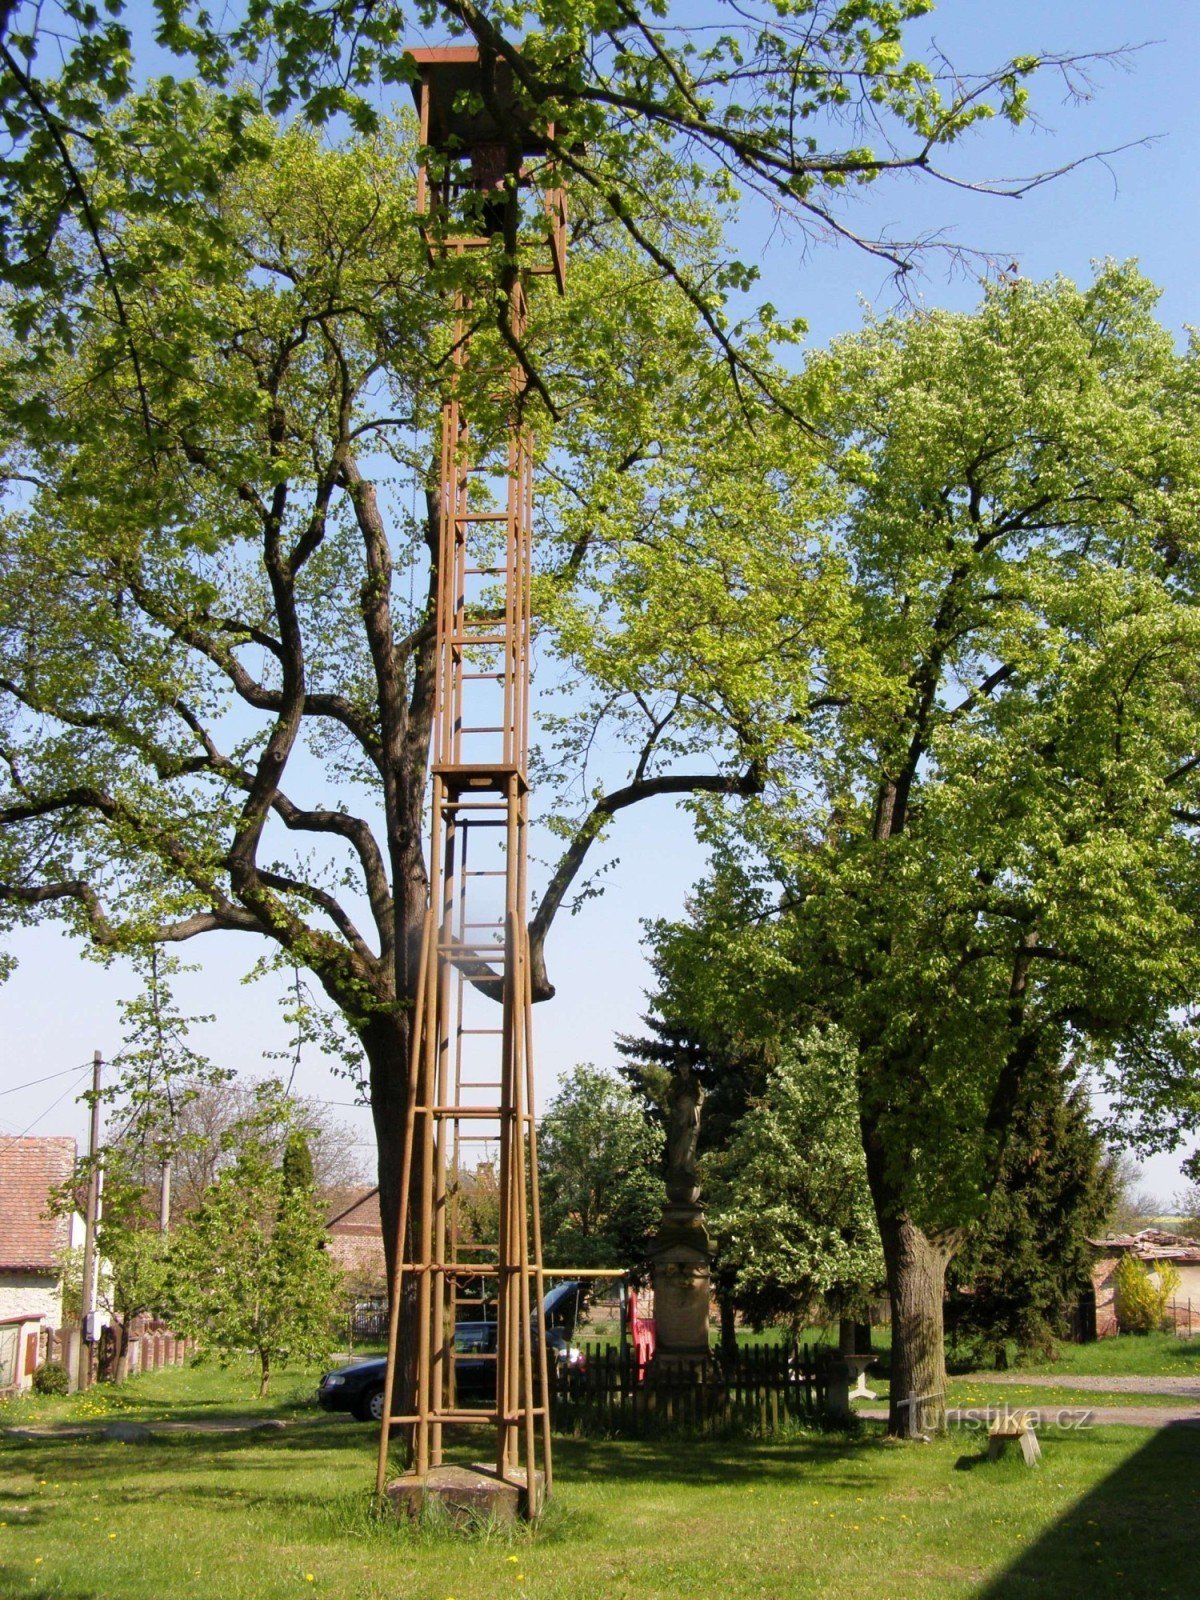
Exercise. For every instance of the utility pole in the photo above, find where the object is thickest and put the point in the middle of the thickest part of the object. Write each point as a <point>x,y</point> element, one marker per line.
<point>91,1219</point>
<point>164,1197</point>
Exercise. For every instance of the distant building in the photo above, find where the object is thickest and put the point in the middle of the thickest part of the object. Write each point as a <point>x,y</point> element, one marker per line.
<point>1155,1247</point>
<point>32,1243</point>
<point>355,1234</point>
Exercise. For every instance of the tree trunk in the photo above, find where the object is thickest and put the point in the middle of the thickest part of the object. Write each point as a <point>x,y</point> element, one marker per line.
<point>387,1044</point>
<point>728,1326</point>
<point>121,1371</point>
<point>916,1278</point>
<point>265,1381</point>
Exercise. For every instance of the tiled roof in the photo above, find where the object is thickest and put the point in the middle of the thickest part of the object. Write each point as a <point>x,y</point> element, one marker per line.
<point>353,1211</point>
<point>30,1239</point>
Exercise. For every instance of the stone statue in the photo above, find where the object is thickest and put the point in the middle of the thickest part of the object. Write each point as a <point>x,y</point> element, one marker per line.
<point>683,1130</point>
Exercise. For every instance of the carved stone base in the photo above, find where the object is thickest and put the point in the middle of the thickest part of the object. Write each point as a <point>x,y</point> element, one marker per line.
<point>468,1495</point>
<point>680,1263</point>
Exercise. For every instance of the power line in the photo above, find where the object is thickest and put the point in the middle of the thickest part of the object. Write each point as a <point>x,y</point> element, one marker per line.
<point>16,1139</point>
<point>33,1082</point>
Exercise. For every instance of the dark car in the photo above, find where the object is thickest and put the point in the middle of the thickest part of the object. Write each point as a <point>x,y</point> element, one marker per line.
<point>358,1388</point>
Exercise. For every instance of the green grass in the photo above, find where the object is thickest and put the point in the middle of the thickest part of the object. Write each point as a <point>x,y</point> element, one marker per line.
<point>1128,1355</point>
<point>270,1516</point>
<point>203,1391</point>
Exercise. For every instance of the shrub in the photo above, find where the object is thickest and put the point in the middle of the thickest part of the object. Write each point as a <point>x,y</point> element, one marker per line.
<point>51,1378</point>
<point>1140,1303</point>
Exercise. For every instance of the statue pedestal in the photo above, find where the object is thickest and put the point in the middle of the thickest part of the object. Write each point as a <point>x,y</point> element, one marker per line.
<point>679,1260</point>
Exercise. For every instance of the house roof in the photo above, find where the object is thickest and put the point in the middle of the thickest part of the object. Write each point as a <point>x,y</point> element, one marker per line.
<point>30,1239</point>
<point>353,1211</point>
<point>1150,1244</point>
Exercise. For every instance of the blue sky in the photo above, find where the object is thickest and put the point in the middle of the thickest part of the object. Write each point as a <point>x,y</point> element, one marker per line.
<point>1143,202</point>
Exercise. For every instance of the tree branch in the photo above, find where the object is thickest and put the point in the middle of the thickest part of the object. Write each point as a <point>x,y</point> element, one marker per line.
<point>747,783</point>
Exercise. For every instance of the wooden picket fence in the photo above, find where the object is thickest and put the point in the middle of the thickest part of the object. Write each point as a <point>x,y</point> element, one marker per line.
<point>762,1389</point>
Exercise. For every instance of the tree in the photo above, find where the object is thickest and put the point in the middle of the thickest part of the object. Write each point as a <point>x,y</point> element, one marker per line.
<point>1134,1207</point>
<point>977,847</point>
<point>1187,1205</point>
<point>1140,1302</point>
<point>225,339</point>
<point>188,621</point>
<point>297,1166</point>
<point>247,1270</point>
<point>129,1246</point>
<point>776,99</point>
<point>213,1124</point>
<point>789,1201</point>
<point>600,1165</point>
<point>1028,1258</point>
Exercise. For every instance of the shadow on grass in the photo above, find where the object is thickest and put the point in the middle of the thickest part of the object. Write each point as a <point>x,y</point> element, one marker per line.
<point>1132,1536</point>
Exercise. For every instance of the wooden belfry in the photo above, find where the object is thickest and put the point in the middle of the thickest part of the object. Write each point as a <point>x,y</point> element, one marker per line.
<point>471,1087</point>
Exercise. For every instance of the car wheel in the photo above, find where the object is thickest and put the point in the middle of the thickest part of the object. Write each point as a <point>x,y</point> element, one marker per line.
<point>370,1407</point>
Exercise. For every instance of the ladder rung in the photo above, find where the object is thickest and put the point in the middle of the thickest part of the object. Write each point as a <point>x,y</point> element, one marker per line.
<point>483,516</point>
<point>481,1030</point>
<point>448,1416</point>
<point>466,1113</point>
<point>463,1269</point>
<point>467,1417</point>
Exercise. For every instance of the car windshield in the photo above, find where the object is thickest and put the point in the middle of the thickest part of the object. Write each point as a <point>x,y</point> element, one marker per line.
<point>475,1338</point>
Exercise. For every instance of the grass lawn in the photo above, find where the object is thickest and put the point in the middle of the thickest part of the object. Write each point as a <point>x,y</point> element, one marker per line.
<point>1111,1512</point>
<point>1129,1355</point>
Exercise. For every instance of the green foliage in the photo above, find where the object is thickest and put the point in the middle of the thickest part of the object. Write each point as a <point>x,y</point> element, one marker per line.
<point>1141,1302</point>
<point>68,1263</point>
<point>1028,1258</point>
<point>51,1378</point>
<point>600,1165</point>
<point>247,1270</point>
<point>776,98</point>
<point>296,1171</point>
<point>788,1198</point>
<point>977,844</point>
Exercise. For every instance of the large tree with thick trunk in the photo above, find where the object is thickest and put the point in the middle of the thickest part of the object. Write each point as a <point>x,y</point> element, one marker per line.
<point>977,851</point>
<point>215,636</point>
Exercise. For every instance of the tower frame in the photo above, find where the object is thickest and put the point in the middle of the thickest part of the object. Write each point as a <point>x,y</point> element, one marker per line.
<point>471,1088</point>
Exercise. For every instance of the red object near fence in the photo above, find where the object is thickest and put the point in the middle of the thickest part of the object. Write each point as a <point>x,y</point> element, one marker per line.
<point>641,1336</point>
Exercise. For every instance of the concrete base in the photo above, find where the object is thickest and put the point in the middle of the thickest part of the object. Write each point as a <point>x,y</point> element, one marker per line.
<point>468,1495</point>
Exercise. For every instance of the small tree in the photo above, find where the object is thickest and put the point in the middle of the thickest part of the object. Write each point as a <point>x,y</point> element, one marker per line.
<point>600,1162</point>
<point>789,1198</point>
<point>132,1251</point>
<point>248,1270</point>
<point>1187,1206</point>
<point>1141,1304</point>
<point>1029,1257</point>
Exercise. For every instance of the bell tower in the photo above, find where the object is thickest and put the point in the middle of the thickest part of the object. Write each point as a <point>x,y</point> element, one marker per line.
<point>472,1274</point>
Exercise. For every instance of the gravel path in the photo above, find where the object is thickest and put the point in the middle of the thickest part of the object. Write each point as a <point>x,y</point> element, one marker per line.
<point>1073,1417</point>
<point>1186,1388</point>
<point>113,1427</point>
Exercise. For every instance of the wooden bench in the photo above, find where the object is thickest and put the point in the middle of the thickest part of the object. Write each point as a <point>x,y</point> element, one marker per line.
<point>1014,1425</point>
